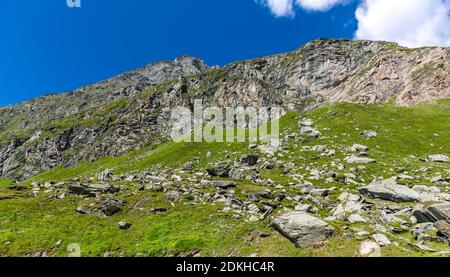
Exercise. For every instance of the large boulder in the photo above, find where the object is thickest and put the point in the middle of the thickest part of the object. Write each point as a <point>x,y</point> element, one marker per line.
<point>391,191</point>
<point>303,229</point>
<point>92,189</point>
<point>433,213</point>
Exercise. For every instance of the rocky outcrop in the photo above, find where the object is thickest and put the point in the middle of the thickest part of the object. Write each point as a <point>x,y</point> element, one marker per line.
<point>132,110</point>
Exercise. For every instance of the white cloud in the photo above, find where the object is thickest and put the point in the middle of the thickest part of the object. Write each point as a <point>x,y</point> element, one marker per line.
<point>319,5</point>
<point>285,8</point>
<point>280,8</point>
<point>411,23</point>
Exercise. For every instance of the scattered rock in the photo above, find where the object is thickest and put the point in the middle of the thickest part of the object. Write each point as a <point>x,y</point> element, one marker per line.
<point>369,134</point>
<point>140,203</point>
<point>391,191</point>
<point>250,160</point>
<point>188,167</point>
<point>311,132</point>
<point>303,229</point>
<point>92,189</point>
<point>421,229</point>
<point>307,123</point>
<point>158,210</point>
<point>6,197</point>
<point>432,213</point>
<point>443,228</point>
<point>18,188</point>
<point>84,210</point>
<point>219,171</point>
<point>358,160</point>
<point>105,175</point>
<point>223,184</point>
<point>381,240</point>
<point>440,158</point>
<point>111,207</point>
<point>172,196</point>
<point>320,192</point>
<point>356,218</point>
<point>369,249</point>
<point>359,148</point>
<point>349,204</point>
<point>124,225</point>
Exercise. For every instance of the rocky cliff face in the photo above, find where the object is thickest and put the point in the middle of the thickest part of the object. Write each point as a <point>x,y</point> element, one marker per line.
<point>131,110</point>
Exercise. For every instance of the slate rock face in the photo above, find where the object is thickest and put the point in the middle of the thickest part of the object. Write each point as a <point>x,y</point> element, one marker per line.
<point>391,191</point>
<point>302,229</point>
<point>433,213</point>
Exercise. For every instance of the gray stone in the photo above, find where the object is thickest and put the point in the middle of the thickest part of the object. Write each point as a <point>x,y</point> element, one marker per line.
<point>359,148</point>
<point>422,228</point>
<point>320,192</point>
<point>140,203</point>
<point>92,189</point>
<point>249,159</point>
<point>303,229</point>
<point>223,184</point>
<point>124,225</point>
<point>309,131</point>
<point>111,207</point>
<point>433,213</point>
<point>381,239</point>
<point>369,134</point>
<point>391,191</point>
<point>84,210</point>
<point>443,228</point>
<point>356,218</point>
<point>219,171</point>
<point>439,158</point>
<point>105,175</point>
<point>349,204</point>
<point>307,122</point>
<point>358,160</point>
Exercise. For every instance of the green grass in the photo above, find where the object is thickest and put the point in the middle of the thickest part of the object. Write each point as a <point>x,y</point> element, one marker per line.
<point>29,224</point>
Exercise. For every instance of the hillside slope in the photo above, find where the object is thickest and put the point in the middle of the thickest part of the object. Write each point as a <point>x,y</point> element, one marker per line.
<point>175,207</point>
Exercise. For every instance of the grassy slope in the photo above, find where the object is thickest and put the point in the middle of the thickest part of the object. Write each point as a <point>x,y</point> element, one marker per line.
<point>31,224</point>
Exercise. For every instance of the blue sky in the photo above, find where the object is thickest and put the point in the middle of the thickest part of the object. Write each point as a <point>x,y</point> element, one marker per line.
<point>47,47</point>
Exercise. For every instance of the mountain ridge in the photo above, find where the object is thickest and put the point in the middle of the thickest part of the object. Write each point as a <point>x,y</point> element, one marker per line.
<point>124,112</point>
